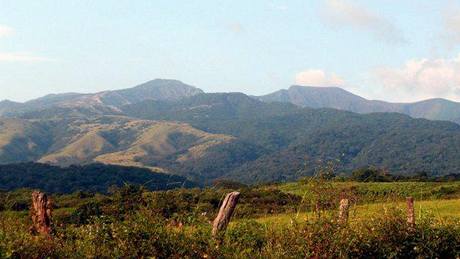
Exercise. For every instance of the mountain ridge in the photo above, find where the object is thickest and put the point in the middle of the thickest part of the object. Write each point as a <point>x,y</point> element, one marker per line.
<point>167,126</point>
<point>106,102</point>
<point>231,135</point>
<point>110,102</point>
<point>339,98</point>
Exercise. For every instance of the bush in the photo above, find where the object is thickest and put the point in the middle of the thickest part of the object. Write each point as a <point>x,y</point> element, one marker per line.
<point>370,175</point>
<point>246,236</point>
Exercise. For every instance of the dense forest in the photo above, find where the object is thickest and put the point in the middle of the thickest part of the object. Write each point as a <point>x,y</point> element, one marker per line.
<point>89,178</point>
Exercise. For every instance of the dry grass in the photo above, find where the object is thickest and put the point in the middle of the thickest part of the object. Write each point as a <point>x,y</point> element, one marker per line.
<point>137,141</point>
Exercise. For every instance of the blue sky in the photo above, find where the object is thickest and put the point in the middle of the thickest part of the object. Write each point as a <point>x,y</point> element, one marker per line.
<point>390,50</point>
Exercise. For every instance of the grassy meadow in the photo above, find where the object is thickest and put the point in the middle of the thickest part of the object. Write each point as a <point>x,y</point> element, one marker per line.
<point>440,209</point>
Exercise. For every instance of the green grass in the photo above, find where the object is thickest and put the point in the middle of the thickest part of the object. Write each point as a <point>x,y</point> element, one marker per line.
<point>387,191</point>
<point>436,199</point>
<point>439,209</point>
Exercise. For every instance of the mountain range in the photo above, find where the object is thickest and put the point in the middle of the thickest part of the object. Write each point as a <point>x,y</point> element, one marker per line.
<point>289,141</point>
<point>110,102</point>
<point>106,102</point>
<point>338,98</point>
<point>171,127</point>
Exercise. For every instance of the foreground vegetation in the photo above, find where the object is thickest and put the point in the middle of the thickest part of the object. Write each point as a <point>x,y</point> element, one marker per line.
<point>271,221</point>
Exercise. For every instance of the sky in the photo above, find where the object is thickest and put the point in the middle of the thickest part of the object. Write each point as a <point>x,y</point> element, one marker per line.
<point>400,51</point>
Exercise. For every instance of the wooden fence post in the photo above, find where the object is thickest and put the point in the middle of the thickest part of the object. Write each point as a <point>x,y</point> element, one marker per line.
<point>225,213</point>
<point>410,211</point>
<point>41,213</point>
<point>343,210</point>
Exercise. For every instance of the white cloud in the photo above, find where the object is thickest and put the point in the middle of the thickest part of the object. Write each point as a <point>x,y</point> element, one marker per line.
<point>451,18</point>
<point>21,57</point>
<point>5,30</point>
<point>17,56</point>
<point>421,79</point>
<point>344,13</point>
<point>279,7</point>
<point>316,77</point>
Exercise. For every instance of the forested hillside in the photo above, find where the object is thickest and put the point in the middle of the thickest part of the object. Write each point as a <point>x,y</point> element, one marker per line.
<point>170,127</point>
<point>88,178</point>
<point>297,141</point>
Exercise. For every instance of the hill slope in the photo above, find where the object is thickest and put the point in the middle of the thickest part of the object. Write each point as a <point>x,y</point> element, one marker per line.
<point>210,136</point>
<point>295,141</point>
<point>337,98</point>
<point>108,139</point>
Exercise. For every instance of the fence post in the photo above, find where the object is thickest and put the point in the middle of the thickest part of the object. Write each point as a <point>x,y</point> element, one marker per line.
<point>410,212</point>
<point>343,210</point>
<point>225,213</point>
<point>41,213</point>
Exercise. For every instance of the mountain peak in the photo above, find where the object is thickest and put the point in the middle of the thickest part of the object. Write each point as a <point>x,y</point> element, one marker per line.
<point>316,87</point>
<point>102,102</point>
<point>158,89</point>
<point>159,82</point>
<point>322,90</point>
<point>316,97</point>
<point>341,99</point>
<point>7,102</point>
<point>438,100</point>
<point>6,105</point>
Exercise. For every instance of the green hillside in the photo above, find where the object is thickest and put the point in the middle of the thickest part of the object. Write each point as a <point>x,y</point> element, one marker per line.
<point>298,141</point>
<point>23,140</point>
<point>231,135</point>
<point>160,146</point>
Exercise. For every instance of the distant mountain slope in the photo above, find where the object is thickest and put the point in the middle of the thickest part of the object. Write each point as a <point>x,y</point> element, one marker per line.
<point>337,98</point>
<point>434,109</point>
<point>109,139</point>
<point>209,136</point>
<point>392,141</point>
<point>292,141</point>
<point>101,103</point>
<point>7,105</point>
<point>77,105</point>
<point>319,97</point>
<point>22,140</point>
<point>158,89</point>
<point>208,111</point>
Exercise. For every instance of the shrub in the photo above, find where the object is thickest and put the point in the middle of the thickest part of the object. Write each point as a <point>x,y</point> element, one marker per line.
<point>246,236</point>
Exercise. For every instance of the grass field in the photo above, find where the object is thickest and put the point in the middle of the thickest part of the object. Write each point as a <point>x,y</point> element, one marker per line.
<point>438,209</point>
<point>440,200</point>
<point>386,191</point>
